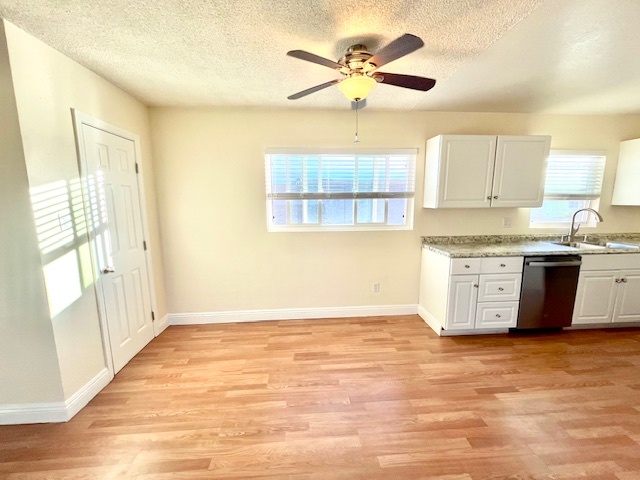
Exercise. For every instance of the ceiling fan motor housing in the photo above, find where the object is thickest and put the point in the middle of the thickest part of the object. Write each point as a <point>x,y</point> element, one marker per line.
<point>355,60</point>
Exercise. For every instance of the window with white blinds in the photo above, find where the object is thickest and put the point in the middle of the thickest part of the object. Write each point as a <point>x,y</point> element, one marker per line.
<point>339,190</point>
<point>573,181</point>
<point>574,176</point>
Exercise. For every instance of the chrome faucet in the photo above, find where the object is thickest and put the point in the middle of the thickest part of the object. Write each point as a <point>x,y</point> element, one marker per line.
<point>573,229</point>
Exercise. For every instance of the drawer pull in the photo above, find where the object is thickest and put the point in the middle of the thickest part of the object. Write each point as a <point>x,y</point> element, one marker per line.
<point>502,265</point>
<point>501,289</point>
<point>467,266</point>
<point>497,315</point>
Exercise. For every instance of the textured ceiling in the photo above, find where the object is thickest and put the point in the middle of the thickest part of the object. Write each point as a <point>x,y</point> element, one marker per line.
<point>568,56</point>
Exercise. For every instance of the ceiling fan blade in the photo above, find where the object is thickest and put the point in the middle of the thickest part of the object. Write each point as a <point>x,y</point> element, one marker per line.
<point>406,81</point>
<point>306,92</point>
<point>360,104</point>
<point>400,47</point>
<point>310,57</point>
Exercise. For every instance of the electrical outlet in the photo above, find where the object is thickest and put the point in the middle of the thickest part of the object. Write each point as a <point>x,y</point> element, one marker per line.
<point>506,222</point>
<point>376,287</point>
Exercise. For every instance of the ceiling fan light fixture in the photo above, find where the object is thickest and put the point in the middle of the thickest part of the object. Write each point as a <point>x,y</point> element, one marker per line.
<point>357,87</point>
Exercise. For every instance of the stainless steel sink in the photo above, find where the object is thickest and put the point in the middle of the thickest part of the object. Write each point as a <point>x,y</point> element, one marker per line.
<point>600,245</point>
<point>621,245</point>
<point>582,245</point>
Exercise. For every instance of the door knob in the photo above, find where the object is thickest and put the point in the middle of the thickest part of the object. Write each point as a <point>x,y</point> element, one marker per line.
<point>106,270</point>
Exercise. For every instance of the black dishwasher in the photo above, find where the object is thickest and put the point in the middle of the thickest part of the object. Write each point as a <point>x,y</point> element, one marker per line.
<point>548,292</point>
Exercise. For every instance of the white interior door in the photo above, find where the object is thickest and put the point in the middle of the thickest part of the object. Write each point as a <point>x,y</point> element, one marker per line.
<point>114,211</point>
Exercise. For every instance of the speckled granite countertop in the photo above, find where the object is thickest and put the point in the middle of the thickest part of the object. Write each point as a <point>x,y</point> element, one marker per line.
<point>523,245</point>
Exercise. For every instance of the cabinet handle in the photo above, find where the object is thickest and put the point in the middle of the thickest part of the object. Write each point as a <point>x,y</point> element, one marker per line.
<point>497,315</point>
<point>475,285</point>
<point>489,197</point>
<point>618,280</point>
<point>495,197</point>
<point>623,280</point>
<point>501,289</point>
<point>467,266</point>
<point>502,265</point>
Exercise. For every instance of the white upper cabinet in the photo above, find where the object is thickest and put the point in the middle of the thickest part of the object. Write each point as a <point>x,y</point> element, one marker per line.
<point>625,188</point>
<point>481,171</point>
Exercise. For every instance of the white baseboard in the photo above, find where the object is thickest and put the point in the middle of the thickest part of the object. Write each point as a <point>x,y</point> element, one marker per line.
<point>161,325</point>
<point>289,314</point>
<point>54,412</point>
<point>592,326</point>
<point>430,320</point>
<point>14,414</point>
<point>79,400</point>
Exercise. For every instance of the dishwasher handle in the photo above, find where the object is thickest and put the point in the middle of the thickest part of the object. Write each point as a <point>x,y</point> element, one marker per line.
<point>573,263</point>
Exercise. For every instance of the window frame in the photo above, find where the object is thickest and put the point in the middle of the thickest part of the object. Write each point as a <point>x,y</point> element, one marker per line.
<point>356,226</point>
<point>593,203</point>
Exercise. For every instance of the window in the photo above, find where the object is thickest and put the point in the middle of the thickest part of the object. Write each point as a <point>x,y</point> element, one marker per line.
<point>573,181</point>
<point>340,190</point>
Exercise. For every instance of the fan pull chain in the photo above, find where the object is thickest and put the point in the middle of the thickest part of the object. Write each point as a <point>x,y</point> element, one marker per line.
<point>356,140</point>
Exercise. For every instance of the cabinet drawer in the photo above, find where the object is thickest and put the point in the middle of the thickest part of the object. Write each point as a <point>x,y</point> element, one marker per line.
<point>496,315</point>
<point>501,264</point>
<point>499,287</point>
<point>465,266</point>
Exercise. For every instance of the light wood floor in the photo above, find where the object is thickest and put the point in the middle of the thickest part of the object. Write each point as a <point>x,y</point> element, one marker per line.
<point>377,398</point>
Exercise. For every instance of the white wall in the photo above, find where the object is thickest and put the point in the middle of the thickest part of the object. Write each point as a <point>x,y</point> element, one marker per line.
<point>219,256</point>
<point>47,85</point>
<point>28,364</point>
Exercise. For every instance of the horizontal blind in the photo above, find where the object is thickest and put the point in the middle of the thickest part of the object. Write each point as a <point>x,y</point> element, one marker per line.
<point>574,176</point>
<point>300,175</point>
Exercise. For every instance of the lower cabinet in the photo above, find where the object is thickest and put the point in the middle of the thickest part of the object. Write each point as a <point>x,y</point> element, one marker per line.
<point>483,301</point>
<point>608,295</point>
<point>496,315</point>
<point>463,297</point>
<point>470,294</point>
<point>627,307</point>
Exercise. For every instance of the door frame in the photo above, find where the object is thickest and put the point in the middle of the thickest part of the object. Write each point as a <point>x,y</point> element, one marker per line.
<point>79,118</point>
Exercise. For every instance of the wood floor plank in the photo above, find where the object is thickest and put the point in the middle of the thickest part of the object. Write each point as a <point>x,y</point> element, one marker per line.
<point>357,398</point>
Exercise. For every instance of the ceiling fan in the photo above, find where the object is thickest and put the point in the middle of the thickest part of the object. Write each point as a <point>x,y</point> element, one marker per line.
<point>359,69</point>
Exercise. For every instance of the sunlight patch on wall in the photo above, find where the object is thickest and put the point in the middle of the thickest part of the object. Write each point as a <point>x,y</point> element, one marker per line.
<point>62,280</point>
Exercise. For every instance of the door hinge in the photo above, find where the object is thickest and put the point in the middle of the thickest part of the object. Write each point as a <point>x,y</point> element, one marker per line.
<point>144,244</point>
<point>153,315</point>
<point>137,168</point>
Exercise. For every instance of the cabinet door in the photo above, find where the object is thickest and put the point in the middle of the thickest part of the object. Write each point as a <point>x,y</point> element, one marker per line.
<point>627,307</point>
<point>625,188</point>
<point>496,315</point>
<point>518,180</point>
<point>595,298</point>
<point>466,171</point>
<point>461,305</point>
<point>500,287</point>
